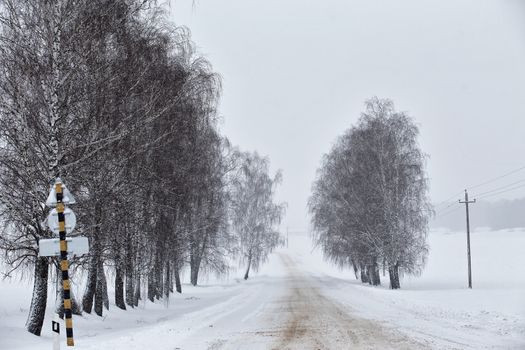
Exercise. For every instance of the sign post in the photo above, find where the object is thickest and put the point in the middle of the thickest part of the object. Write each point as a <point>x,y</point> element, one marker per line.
<point>58,197</point>
<point>64,263</point>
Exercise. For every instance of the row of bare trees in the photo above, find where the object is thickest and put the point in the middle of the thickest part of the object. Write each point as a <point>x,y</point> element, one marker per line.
<point>114,100</point>
<point>369,205</point>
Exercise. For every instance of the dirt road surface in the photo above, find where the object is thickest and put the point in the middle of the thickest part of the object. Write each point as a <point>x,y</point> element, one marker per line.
<point>301,317</point>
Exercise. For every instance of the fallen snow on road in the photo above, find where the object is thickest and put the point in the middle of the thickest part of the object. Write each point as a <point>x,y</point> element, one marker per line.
<point>297,301</point>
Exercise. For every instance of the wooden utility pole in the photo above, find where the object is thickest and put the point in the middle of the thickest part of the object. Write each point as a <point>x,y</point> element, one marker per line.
<point>467,202</point>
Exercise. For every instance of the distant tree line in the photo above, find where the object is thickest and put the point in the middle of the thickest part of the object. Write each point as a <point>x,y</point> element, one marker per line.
<point>115,100</point>
<point>369,203</point>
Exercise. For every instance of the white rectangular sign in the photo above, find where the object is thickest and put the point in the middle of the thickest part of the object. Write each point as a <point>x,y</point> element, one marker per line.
<point>75,246</point>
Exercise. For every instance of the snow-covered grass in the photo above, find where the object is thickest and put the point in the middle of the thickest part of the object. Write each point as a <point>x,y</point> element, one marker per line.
<point>436,308</point>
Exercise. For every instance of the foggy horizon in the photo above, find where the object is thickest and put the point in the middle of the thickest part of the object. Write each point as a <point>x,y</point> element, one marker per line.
<point>296,76</point>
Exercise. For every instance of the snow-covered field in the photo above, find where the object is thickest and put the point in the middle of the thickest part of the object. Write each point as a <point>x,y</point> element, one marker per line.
<point>434,310</point>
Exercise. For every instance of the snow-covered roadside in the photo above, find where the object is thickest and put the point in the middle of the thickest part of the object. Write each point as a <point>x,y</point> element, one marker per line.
<point>436,307</point>
<point>91,330</point>
<point>194,320</point>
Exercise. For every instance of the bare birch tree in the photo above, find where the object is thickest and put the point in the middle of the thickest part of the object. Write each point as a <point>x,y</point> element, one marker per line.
<point>254,214</point>
<point>369,204</point>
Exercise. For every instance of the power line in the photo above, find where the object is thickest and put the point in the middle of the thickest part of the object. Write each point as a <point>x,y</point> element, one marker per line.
<point>446,213</point>
<point>501,188</point>
<point>441,211</point>
<point>497,178</point>
<point>451,197</point>
<point>507,190</point>
<point>447,201</point>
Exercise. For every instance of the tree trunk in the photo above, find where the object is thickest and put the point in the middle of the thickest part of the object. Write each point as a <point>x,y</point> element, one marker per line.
<point>105,296</point>
<point>98,301</point>
<point>355,270</point>
<point>128,271</point>
<point>91,285</point>
<point>101,290</point>
<point>170,276</point>
<point>166,282</point>
<point>37,311</point>
<point>364,275</point>
<point>393,272</point>
<point>129,286</point>
<point>178,286</point>
<point>152,288</point>
<point>195,263</point>
<point>155,279</point>
<point>119,289</point>
<point>375,276</point>
<point>137,283</point>
<point>136,293</point>
<point>168,286</point>
<point>248,269</point>
<point>194,275</point>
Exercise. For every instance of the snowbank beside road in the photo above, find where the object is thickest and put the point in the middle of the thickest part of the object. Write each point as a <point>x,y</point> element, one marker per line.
<point>195,311</point>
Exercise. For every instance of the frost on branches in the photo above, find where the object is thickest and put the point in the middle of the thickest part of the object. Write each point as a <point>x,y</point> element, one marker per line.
<point>254,215</point>
<point>369,204</point>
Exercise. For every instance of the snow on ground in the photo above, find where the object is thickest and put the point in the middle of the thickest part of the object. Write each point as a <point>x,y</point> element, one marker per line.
<point>436,309</point>
<point>437,306</point>
<point>187,316</point>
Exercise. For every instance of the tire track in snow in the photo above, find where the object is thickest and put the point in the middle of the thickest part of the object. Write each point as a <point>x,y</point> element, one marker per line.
<point>316,322</point>
<point>293,314</point>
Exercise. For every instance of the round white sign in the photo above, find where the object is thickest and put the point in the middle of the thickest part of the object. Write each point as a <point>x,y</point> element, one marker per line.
<point>69,216</point>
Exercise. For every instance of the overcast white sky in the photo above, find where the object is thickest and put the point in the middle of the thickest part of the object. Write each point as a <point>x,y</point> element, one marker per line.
<point>296,73</point>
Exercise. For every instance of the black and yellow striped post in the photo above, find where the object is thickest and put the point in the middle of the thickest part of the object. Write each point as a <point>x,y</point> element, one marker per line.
<point>64,264</point>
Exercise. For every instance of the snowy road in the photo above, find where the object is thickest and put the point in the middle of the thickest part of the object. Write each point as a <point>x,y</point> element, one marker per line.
<point>313,321</point>
<point>292,313</point>
<point>283,310</point>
